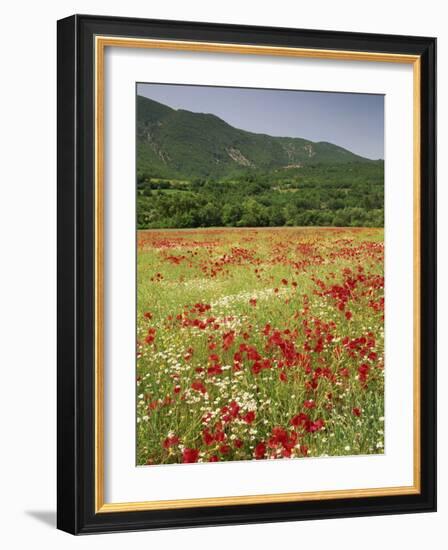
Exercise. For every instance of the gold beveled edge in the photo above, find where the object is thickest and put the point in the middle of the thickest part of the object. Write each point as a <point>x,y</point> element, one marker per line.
<point>99,277</point>
<point>254,499</point>
<point>214,47</point>
<point>100,43</point>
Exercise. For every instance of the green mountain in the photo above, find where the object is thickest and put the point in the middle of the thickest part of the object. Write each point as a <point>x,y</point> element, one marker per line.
<point>184,145</point>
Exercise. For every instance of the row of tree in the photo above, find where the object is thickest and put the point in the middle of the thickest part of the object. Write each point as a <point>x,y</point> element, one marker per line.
<point>343,195</point>
<point>183,211</point>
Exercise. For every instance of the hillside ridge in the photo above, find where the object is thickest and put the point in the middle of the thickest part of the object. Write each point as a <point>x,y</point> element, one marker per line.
<point>177,143</point>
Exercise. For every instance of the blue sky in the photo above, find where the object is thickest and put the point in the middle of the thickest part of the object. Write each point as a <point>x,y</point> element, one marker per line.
<point>353,121</point>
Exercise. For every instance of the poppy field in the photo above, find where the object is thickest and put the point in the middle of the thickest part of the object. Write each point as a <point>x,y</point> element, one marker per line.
<point>259,343</point>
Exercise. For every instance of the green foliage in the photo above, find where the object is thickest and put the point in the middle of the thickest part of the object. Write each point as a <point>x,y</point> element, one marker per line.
<point>340,195</point>
<point>194,170</point>
<point>183,145</point>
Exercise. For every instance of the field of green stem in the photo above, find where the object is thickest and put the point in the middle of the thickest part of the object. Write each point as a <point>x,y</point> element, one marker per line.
<point>259,344</point>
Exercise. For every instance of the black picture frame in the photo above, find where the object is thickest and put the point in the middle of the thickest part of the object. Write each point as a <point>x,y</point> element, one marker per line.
<point>76,255</point>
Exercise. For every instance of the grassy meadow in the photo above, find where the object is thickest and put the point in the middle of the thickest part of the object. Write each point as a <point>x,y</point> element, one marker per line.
<point>259,343</point>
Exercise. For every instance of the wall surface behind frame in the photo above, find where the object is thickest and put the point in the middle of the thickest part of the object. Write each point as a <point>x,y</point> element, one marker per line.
<point>28,272</point>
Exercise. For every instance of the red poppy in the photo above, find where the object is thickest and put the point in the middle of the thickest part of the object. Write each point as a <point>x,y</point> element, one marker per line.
<point>219,435</point>
<point>170,442</point>
<point>214,369</point>
<point>252,354</point>
<point>230,411</point>
<point>363,372</point>
<point>267,329</point>
<point>260,451</point>
<point>207,437</point>
<point>228,339</point>
<point>299,419</point>
<point>190,455</point>
<point>345,372</point>
<point>315,426</point>
<point>197,385</point>
<point>279,437</point>
<point>150,338</point>
<point>249,417</point>
<point>283,376</point>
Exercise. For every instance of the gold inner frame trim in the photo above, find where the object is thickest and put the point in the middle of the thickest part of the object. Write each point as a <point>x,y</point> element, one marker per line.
<point>101,42</point>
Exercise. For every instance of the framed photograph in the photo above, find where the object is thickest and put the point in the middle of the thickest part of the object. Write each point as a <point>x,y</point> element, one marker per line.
<point>246,274</point>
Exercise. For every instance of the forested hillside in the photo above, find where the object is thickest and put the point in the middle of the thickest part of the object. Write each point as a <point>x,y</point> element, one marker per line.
<point>195,170</point>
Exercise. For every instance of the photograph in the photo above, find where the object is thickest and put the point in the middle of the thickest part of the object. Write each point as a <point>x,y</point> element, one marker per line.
<point>260,274</point>
<point>246,274</point>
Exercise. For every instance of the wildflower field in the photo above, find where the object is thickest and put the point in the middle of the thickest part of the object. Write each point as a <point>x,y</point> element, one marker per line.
<point>259,343</point>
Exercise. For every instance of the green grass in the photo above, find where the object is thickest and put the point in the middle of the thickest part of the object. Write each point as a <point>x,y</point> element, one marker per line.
<point>330,287</point>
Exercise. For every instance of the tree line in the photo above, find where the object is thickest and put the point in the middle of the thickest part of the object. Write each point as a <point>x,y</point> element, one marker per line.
<point>342,195</point>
